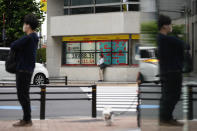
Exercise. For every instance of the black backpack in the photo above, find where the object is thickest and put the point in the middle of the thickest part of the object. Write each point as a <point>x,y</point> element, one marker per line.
<point>10,64</point>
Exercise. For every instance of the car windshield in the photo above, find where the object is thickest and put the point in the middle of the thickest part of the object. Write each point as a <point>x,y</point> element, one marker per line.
<point>148,53</point>
<point>3,54</point>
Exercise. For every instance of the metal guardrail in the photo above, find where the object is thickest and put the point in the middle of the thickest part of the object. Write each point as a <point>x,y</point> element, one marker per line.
<point>190,99</point>
<point>43,93</point>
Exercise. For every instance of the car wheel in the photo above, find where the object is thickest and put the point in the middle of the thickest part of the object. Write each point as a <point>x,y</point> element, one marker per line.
<point>39,79</point>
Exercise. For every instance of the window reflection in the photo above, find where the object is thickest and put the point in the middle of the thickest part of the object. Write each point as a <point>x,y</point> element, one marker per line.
<point>81,2</point>
<point>85,10</point>
<point>99,6</point>
<point>107,1</point>
<point>104,9</point>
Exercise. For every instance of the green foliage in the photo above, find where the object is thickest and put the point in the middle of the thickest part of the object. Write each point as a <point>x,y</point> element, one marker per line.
<point>179,31</point>
<point>149,28</point>
<point>150,31</point>
<point>41,55</point>
<point>14,11</point>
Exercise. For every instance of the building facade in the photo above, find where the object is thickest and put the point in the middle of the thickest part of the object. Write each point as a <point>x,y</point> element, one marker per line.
<point>148,10</point>
<point>193,31</point>
<point>80,30</point>
<point>171,8</point>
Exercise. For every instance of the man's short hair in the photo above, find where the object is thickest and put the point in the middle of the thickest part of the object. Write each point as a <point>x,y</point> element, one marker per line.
<point>31,20</point>
<point>164,20</point>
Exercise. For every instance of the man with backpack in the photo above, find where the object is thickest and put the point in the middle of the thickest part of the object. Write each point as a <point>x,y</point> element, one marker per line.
<point>25,49</point>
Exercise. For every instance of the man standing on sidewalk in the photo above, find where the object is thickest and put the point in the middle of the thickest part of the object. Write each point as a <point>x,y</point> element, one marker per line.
<point>171,56</point>
<point>25,49</point>
<point>102,66</point>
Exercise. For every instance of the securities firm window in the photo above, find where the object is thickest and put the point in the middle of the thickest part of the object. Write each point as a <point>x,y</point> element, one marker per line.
<point>87,53</point>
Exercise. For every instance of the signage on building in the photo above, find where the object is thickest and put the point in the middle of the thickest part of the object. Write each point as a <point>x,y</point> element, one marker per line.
<point>44,5</point>
<point>100,37</point>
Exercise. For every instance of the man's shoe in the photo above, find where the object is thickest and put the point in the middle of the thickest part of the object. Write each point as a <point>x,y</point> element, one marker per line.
<point>172,122</point>
<point>23,123</point>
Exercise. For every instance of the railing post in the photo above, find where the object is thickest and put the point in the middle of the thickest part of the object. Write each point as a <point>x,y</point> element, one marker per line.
<point>42,101</point>
<point>66,80</point>
<point>94,112</point>
<point>185,97</point>
<point>138,107</point>
<point>190,103</point>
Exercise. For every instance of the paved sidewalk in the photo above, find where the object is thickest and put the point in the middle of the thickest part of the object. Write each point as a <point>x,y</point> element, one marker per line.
<point>89,124</point>
<point>75,124</point>
<point>152,125</point>
<point>191,77</point>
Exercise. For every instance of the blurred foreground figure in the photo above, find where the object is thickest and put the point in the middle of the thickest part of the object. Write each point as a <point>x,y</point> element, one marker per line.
<point>171,56</point>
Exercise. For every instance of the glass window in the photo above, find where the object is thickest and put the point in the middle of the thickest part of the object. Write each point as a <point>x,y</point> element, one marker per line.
<point>133,0</point>
<point>134,7</point>
<point>104,9</point>
<point>88,52</point>
<point>72,53</point>
<point>87,57</point>
<point>119,52</point>
<point>195,8</point>
<point>72,58</point>
<point>115,52</point>
<point>88,46</point>
<point>120,46</point>
<point>119,58</point>
<point>65,11</point>
<point>98,6</point>
<point>66,2</point>
<point>3,55</point>
<point>107,1</point>
<point>144,54</point>
<point>84,10</point>
<point>81,2</point>
<point>151,53</point>
<point>103,46</point>
<point>107,58</point>
<point>73,47</point>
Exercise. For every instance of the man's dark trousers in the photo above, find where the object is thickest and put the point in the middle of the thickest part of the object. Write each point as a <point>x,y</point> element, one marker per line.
<point>23,80</point>
<point>171,91</point>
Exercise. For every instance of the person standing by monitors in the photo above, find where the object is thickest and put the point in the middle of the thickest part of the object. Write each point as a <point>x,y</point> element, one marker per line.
<point>102,66</point>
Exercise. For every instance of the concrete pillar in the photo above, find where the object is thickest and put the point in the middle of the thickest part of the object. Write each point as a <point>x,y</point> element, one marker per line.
<point>54,8</point>
<point>195,45</point>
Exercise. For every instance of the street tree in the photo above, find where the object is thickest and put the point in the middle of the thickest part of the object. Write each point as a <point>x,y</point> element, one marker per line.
<point>12,13</point>
<point>149,31</point>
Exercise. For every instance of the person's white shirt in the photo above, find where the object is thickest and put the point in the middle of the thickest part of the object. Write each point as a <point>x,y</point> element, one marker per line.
<point>101,61</point>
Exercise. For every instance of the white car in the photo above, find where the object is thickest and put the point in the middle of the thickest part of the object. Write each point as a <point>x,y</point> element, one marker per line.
<point>40,75</point>
<point>148,64</point>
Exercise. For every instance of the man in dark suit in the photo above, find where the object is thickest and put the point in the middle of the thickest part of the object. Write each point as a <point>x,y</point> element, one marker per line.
<point>171,56</point>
